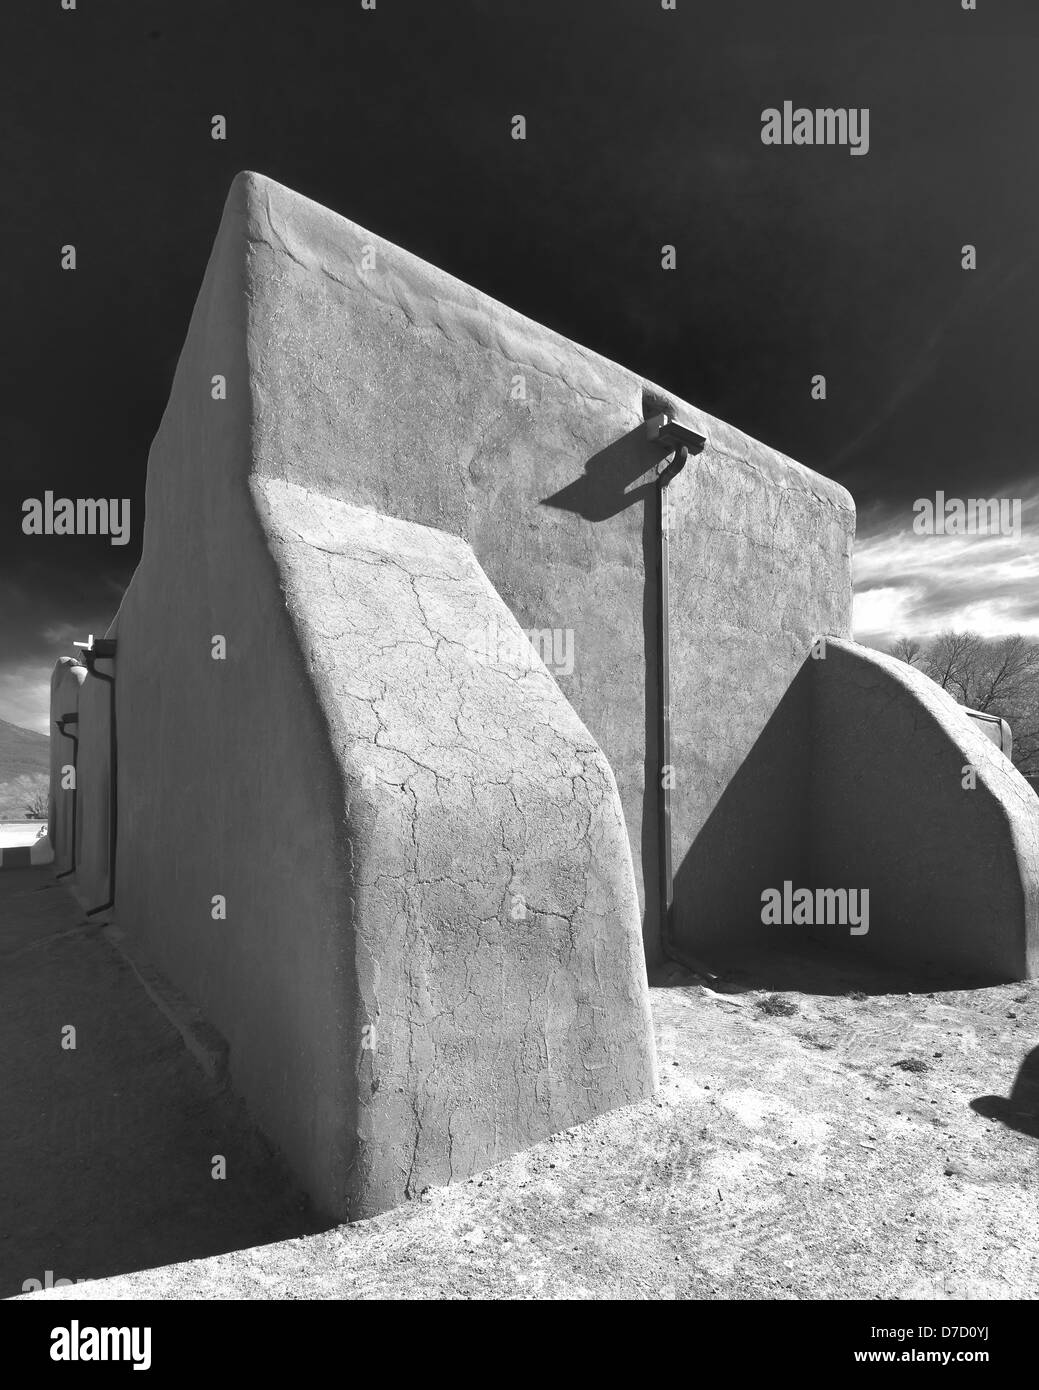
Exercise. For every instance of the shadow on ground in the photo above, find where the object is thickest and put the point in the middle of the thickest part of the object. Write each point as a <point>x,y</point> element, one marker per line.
<point>812,970</point>
<point>1020,1110</point>
<point>109,1147</point>
<point>799,1147</point>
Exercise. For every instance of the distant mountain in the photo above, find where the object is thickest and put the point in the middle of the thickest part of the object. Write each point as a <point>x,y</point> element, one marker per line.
<point>23,753</point>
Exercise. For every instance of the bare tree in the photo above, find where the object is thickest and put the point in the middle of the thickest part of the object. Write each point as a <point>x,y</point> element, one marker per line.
<point>907,649</point>
<point>36,808</point>
<point>999,677</point>
<point>950,659</point>
<point>1004,671</point>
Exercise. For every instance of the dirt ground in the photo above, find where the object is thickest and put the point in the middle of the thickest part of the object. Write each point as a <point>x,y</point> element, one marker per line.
<point>105,1156</point>
<point>816,1135</point>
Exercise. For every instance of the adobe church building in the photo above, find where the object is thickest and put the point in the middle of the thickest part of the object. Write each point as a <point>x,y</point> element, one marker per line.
<point>375,766</point>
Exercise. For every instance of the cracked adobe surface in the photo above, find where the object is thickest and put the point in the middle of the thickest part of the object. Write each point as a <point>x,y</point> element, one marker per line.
<point>498,948</point>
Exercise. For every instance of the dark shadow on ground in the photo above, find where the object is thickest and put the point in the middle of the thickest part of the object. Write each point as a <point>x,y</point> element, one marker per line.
<point>1019,1110</point>
<point>107,1159</point>
<point>814,970</point>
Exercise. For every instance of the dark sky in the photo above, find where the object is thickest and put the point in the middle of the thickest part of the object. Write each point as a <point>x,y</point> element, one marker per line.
<point>643,128</point>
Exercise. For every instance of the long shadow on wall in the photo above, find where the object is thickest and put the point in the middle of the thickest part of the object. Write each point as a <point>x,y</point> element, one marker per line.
<point>613,479</point>
<point>752,838</point>
<point>757,836</point>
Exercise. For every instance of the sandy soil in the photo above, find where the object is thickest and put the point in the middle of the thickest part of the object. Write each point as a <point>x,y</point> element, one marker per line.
<point>816,1135</point>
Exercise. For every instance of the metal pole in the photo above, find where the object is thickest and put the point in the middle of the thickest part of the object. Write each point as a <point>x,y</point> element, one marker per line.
<point>664,770</point>
<point>104,649</point>
<point>61,723</point>
<point>113,790</point>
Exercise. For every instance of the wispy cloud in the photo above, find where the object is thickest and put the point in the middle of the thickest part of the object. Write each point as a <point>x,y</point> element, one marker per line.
<point>919,585</point>
<point>32,644</point>
<point>25,696</point>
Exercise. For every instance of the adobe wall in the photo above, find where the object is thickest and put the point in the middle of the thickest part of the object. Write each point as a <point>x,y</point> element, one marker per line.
<point>760,567</point>
<point>499,973</point>
<point>402,392</point>
<point>241,835</point>
<point>337,778</point>
<point>94,788</point>
<point>395,387</point>
<point>951,859</point>
<point>67,677</point>
<point>74,691</point>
